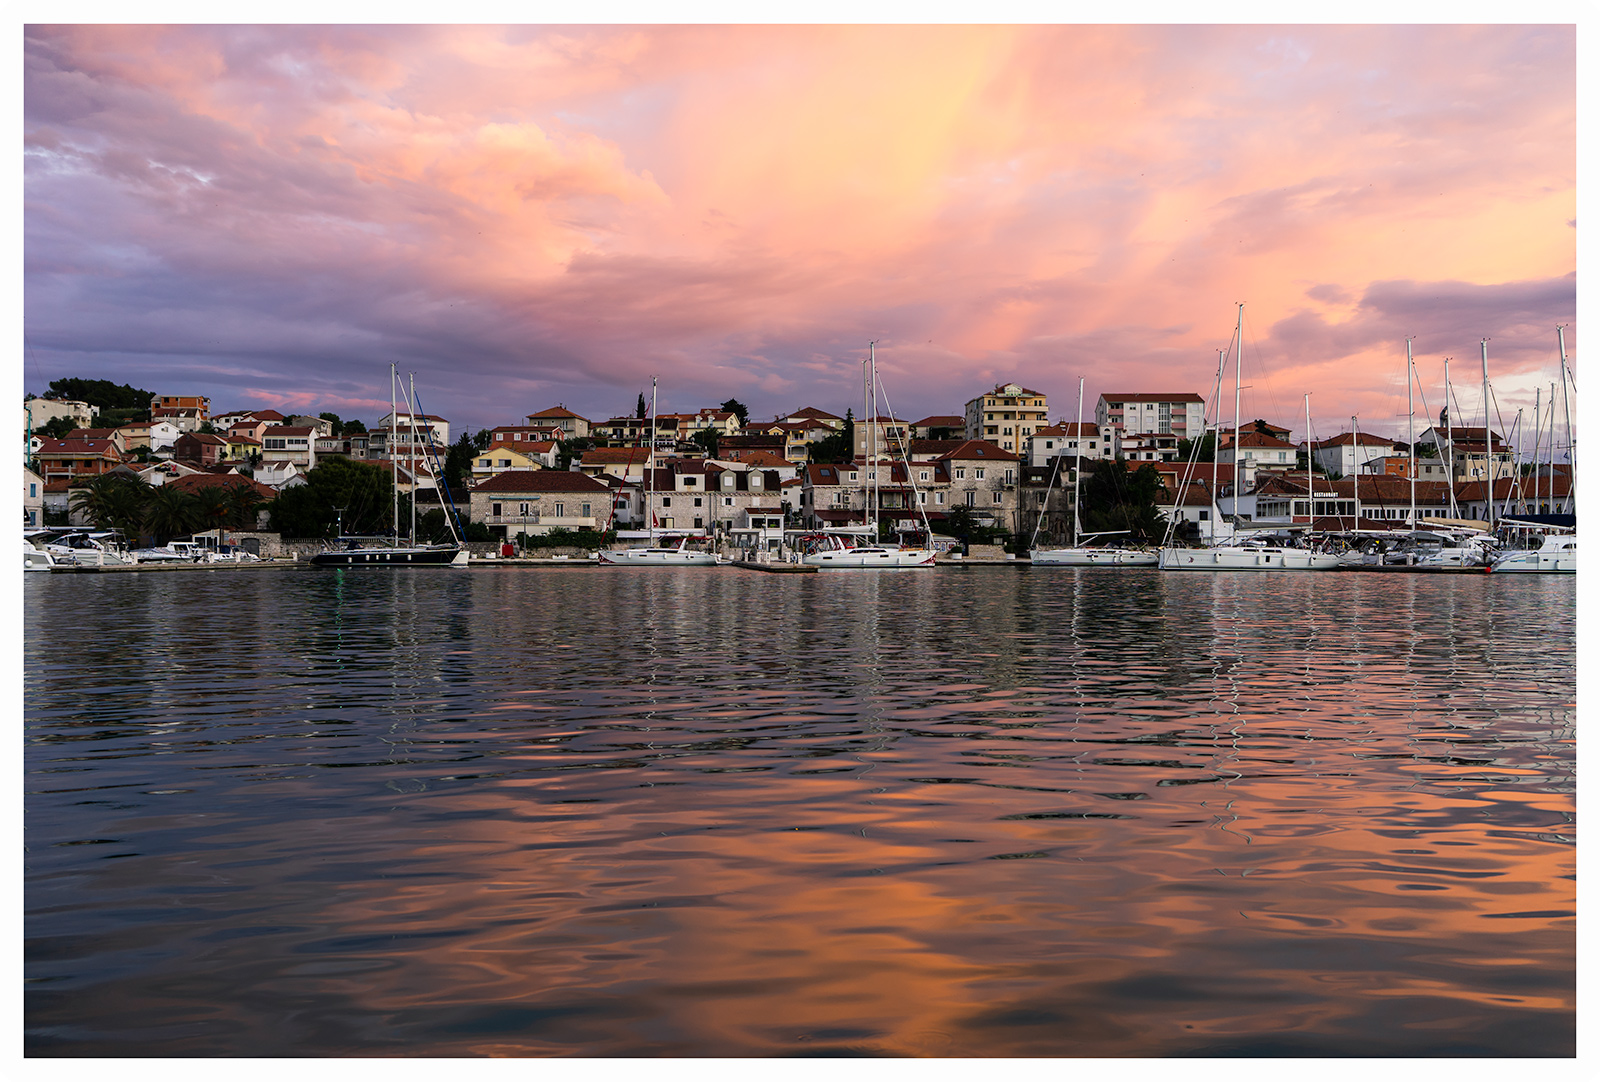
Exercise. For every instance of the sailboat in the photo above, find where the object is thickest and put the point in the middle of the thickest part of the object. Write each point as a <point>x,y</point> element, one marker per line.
<point>858,546</point>
<point>357,551</point>
<point>1076,554</point>
<point>1253,555</point>
<point>673,550</point>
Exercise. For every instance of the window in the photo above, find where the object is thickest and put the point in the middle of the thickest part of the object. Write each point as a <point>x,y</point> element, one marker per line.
<point>961,473</point>
<point>938,497</point>
<point>698,522</point>
<point>494,509</point>
<point>972,498</point>
<point>1048,444</point>
<point>505,463</point>
<point>33,489</point>
<point>666,501</point>
<point>522,508</point>
<point>561,511</point>
<point>688,482</point>
<point>853,476</point>
<point>978,473</point>
<point>727,501</point>
<point>698,501</point>
<point>1011,477</point>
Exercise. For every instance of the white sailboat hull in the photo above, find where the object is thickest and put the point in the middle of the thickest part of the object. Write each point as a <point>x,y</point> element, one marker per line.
<point>1245,558</point>
<point>1094,557</point>
<point>656,557</point>
<point>869,556</point>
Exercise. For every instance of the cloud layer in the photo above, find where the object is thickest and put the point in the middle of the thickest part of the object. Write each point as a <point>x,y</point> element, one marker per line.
<point>527,216</point>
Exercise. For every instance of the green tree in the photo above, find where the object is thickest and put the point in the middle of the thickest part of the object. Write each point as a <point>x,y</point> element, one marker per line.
<point>112,501</point>
<point>170,512</point>
<point>639,411</point>
<point>839,447</point>
<point>352,425</point>
<point>102,394</point>
<point>481,438</point>
<point>1115,499</point>
<point>567,450</point>
<point>1208,448</point>
<point>707,438</point>
<point>458,462</point>
<point>56,428</point>
<point>333,419</point>
<point>363,490</point>
<point>738,409</point>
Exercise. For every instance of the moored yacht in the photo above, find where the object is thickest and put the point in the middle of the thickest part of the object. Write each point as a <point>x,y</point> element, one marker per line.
<point>1557,552</point>
<point>670,552</point>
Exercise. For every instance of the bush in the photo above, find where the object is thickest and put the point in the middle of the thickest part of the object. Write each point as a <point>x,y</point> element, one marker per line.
<point>559,538</point>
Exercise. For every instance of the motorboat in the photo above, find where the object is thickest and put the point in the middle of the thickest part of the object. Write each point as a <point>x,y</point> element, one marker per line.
<point>672,552</point>
<point>35,558</point>
<point>172,552</point>
<point>1557,552</point>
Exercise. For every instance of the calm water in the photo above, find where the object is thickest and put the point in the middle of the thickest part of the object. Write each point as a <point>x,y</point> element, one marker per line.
<point>711,812</point>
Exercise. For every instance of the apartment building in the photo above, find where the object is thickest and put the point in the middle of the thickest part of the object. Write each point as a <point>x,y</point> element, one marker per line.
<point>1006,416</point>
<point>1180,415</point>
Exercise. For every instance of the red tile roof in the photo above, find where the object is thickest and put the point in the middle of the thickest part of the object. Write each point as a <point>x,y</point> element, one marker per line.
<point>513,481</point>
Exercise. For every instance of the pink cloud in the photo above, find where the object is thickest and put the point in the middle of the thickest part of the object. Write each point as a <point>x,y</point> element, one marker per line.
<point>541,214</point>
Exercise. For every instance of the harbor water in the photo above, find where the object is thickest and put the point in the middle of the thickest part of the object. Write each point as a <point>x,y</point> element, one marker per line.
<point>587,812</point>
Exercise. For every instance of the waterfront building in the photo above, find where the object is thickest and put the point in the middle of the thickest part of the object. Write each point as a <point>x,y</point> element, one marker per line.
<point>538,501</point>
<point>518,435</point>
<point>1175,413</point>
<point>1006,416</point>
<point>1146,446</point>
<point>1258,451</point>
<point>624,463</point>
<point>888,436</point>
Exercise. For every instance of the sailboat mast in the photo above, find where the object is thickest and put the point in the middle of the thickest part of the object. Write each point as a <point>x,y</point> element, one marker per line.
<point>1566,412</point>
<point>1222,366</point>
<point>1077,459</point>
<point>872,454</point>
<point>1488,439</point>
<point>411,456</point>
<point>650,473</point>
<point>394,458</point>
<point>1238,421</point>
<point>1311,493</point>
<point>1355,471</point>
<point>1411,437</point>
<point>1538,434</point>
<point>1550,474</point>
<point>1449,442</point>
<point>866,436</point>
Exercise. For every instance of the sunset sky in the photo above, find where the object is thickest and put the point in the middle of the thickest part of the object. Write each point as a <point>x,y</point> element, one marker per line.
<point>536,215</point>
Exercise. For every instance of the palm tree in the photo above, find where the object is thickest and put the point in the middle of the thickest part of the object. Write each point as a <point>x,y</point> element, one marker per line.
<point>244,506</point>
<point>170,512</point>
<point>112,501</point>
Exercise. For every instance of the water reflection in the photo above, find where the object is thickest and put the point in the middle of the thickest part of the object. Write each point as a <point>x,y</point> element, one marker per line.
<point>710,812</point>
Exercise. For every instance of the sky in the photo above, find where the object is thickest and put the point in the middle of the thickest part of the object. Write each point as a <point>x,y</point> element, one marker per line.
<point>529,216</point>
